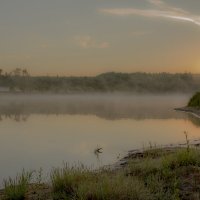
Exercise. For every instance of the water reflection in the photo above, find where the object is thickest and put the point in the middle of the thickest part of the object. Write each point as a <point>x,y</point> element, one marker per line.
<point>194,120</point>
<point>110,107</point>
<point>16,117</point>
<point>45,131</point>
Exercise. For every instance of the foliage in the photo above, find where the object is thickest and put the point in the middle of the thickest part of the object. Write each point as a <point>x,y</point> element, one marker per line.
<point>195,100</point>
<point>20,79</point>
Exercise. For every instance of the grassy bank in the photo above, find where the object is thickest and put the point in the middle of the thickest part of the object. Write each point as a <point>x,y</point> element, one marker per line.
<point>195,101</point>
<point>193,106</point>
<point>154,174</point>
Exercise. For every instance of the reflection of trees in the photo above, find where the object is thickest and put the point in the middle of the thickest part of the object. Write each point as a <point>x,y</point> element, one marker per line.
<point>1,71</point>
<point>18,114</point>
<point>16,117</point>
<point>194,120</point>
<point>20,107</point>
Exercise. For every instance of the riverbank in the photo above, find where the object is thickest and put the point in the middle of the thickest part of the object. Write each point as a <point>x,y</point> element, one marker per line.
<point>165,173</point>
<point>191,110</point>
<point>169,149</point>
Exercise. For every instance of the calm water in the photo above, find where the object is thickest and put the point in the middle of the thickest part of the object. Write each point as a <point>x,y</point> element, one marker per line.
<point>45,131</point>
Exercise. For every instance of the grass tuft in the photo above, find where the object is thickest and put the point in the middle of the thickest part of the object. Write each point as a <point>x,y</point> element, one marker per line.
<point>66,180</point>
<point>182,158</point>
<point>15,189</point>
<point>112,188</point>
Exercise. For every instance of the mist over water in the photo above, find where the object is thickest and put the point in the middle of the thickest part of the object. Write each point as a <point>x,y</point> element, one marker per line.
<point>110,106</point>
<point>47,130</point>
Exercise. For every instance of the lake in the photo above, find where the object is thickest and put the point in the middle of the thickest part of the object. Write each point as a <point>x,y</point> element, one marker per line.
<point>49,130</point>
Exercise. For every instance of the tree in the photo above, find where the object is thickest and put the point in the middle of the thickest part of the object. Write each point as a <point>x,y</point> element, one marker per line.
<point>1,71</point>
<point>25,72</point>
<point>17,72</point>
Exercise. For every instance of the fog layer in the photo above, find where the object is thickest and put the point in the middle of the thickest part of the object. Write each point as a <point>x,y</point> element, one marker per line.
<point>105,106</point>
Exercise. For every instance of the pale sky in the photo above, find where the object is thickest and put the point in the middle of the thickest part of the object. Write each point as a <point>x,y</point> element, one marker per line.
<point>89,37</point>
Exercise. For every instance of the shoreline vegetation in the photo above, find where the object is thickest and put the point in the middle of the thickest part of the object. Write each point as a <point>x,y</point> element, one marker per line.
<point>193,106</point>
<point>167,173</point>
<point>20,81</point>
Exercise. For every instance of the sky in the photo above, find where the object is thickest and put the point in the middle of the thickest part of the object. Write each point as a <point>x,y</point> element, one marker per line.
<point>89,37</point>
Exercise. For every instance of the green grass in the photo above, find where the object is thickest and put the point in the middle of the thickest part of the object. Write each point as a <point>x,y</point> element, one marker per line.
<point>195,100</point>
<point>113,187</point>
<point>82,184</point>
<point>160,181</point>
<point>158,175</point>
<point>164,175</point>
<point>65,181</point>
<point>15,189</point>
<point>182,158</point>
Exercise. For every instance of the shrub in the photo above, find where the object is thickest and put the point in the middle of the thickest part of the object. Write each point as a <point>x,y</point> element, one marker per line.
<point>195,100</point>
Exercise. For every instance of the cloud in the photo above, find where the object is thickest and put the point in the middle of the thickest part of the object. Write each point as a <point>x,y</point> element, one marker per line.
<point>156,2</point>
<point>87,42</point>
<point>162,11</point>
<point>163,6</point>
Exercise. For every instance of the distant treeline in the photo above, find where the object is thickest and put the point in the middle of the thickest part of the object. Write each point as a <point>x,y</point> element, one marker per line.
<point>20,80</point>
